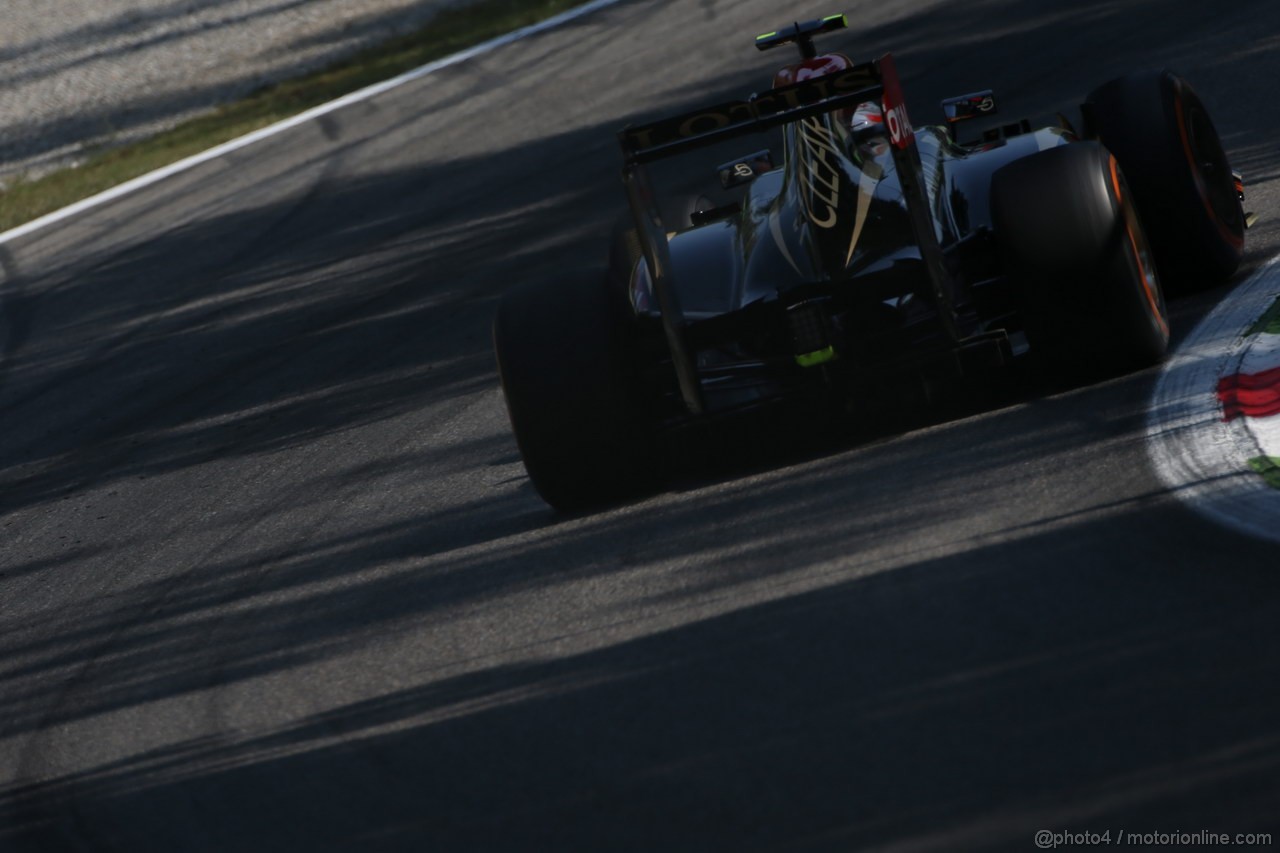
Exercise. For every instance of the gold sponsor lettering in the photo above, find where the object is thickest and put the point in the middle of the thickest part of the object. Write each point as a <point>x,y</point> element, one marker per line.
<point>767,104</point>
<point>740,111</point>
<point>703,123</point>
<point>819,87</point>
<point>820,172</point>
<point>792,97</point>
<point>852,80</point>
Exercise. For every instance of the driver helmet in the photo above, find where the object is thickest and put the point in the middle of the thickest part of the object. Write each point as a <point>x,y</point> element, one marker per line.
<point>867,129</point>
<point>867,118</point>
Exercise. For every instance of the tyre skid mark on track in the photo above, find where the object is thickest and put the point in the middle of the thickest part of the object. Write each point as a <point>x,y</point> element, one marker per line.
<point>1209,454</point>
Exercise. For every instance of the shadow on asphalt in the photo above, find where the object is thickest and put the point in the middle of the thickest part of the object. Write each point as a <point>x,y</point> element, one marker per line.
<point>899,706</point>
<point>886,709</point>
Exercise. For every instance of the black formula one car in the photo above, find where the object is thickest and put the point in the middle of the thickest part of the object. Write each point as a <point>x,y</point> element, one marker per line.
<point>876,257</point>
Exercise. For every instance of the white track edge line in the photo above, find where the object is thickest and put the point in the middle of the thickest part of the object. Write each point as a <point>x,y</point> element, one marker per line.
<point>373,90</point>
<point>1198,456</point>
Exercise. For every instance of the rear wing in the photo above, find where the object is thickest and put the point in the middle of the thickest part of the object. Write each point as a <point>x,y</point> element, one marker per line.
<point>675,135</point>
<point>871,81</point>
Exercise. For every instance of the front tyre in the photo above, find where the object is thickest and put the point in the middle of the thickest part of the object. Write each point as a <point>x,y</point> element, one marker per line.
<point>564,358</point>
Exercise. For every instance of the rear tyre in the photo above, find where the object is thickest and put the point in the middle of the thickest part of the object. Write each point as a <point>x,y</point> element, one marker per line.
<point>564,361</point>
<point>1084,277</point>
<point>1158,128</point>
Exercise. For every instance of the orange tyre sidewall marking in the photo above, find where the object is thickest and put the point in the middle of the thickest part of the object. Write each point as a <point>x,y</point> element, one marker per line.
<point>1152,302</point>
<point>1235,241</point>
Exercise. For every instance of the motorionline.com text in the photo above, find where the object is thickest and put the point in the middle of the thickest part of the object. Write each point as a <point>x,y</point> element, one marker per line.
<point>1047,839</point>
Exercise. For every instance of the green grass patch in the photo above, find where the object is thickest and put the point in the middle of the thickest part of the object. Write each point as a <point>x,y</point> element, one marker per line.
<point>1269,468</point>
<point>1268,322</point>
<point>448,32</point>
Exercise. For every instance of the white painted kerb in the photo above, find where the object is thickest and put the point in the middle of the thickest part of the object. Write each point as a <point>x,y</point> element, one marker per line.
<point>1200,457</point>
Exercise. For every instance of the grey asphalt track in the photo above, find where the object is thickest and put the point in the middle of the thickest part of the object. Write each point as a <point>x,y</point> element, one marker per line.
<point>272,577</point>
